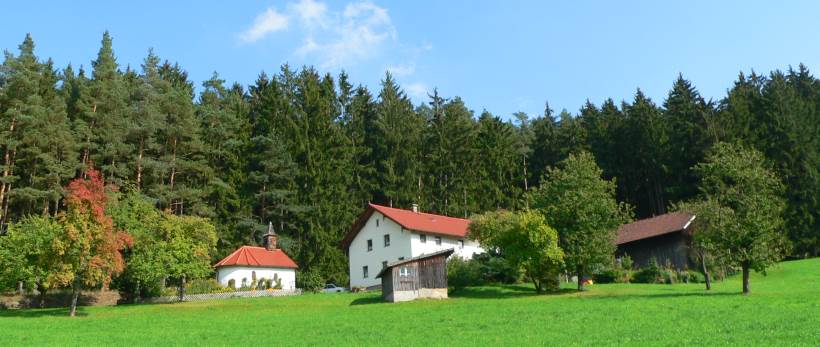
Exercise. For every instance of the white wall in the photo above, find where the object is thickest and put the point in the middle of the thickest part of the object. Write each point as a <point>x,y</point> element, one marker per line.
<point>419,248</point>
<point>360,256</point>
<point>237,273</point>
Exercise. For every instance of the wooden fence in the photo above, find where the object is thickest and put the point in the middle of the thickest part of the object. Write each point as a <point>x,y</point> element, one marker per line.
<point>226,295</point>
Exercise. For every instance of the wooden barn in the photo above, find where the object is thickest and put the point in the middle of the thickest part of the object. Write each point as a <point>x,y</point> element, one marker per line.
<point>666,238</point>
<point>422,277</point>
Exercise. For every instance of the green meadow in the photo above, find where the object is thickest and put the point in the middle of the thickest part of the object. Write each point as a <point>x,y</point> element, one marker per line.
<point>783,309</point>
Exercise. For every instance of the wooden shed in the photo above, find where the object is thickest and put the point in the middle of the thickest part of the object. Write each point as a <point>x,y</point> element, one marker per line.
<point>422,277</point>
<point>665,238</point>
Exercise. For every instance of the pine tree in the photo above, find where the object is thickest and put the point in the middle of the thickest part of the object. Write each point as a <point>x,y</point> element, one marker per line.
<point>646,131</point>
<point>447,142</point>
<point>100,123</point>
<point>687,116</point>
<point>397,147</point>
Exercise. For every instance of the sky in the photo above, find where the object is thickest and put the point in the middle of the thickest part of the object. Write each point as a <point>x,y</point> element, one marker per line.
<point>502,56</point>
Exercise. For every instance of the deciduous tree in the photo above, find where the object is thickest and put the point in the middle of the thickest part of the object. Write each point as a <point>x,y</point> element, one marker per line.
<point>581,205</point>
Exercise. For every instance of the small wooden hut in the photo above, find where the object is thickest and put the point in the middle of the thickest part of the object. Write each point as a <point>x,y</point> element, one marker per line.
<point>419,277</point>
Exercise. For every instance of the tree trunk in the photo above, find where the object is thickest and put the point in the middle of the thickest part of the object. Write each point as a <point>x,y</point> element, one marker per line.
<point>41,298</point>
<point>173,164</point>
<point>706,276</point>
<point>139,163</point>
<point>75,294</point>
<point>136,298</point>
<point>182,289</point>
<point>87,150</point>
<point>745,278</point>
<point>580,274</point>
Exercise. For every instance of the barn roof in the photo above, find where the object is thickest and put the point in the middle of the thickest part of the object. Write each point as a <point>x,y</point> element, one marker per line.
<point>655,226</point>
<point>445,253</point>
<point>417,221</point>
<point>257,257</point>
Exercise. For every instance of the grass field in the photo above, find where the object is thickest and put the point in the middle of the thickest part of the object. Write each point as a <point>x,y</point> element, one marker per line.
<point>784,309</point>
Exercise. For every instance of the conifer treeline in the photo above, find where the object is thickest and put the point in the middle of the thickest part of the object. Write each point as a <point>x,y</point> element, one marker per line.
<point>307,151</point>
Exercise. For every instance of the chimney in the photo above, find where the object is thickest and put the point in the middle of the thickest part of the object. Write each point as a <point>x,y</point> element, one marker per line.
<point>416,208</point>
<point>270,238</point>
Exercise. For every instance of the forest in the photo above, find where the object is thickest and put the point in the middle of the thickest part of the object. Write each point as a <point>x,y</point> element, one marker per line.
<point>307,150</point>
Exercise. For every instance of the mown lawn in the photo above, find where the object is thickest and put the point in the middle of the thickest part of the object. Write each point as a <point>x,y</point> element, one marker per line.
<point>784,309</point>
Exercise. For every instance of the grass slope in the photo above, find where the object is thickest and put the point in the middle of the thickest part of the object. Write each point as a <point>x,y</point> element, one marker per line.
<point>784,309</point>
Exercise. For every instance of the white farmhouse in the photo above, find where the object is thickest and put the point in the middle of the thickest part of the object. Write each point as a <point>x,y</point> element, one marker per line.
<point>249,263</point>
<point>383,235</point>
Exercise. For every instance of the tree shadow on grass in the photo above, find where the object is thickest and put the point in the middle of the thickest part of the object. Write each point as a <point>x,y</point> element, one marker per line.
<point>503,292</point>
<point>37,313</point>
<point>368,300</point>
<point>661,295</point>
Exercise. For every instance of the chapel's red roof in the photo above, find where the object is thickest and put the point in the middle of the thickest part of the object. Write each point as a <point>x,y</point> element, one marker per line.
<point>655,226</point>
<point>417,221</point>
<point>257,256</point>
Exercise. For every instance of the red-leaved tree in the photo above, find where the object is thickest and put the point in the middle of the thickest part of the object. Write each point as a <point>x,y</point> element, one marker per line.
<point>89,250</point>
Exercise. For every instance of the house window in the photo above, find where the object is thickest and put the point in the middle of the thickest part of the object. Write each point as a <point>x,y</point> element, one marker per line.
<point>384,264</point>
<point>401,258</point>
<point>438,240</point>
<point>404,272</point>
<point>461,244</point>
<point>386,240</point>
<point>244,282</point>
<point>377,223</point>
<point>423,238</point>
<point>364,271</point>
<point>369,245</point>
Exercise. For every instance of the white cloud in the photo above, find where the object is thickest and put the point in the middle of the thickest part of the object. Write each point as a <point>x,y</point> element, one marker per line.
<point>402,69</point>
<point>417,91</point>
<point>336,39</point>
<point>265,23</point>
<point>310,12</point>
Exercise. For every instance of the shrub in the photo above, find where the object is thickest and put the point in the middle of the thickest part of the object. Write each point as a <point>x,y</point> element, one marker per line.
<point>652,273</point>
<point>309,281</point>
<point>277,282</point>
<point>606,276</point>
<point>463,273</point>
<point>689,276</point>
<point>493,268</point>
<point>202,286</point>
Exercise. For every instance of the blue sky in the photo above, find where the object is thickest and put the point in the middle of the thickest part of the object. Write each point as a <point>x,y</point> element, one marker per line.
<point>503,56</point>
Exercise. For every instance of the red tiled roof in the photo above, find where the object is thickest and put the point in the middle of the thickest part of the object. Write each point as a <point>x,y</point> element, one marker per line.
<point>655,226</point>
<point>417,221</point>
<point>257,256</point>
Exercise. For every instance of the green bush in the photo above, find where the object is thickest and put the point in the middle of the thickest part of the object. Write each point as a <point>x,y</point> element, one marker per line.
<point>202,286</point>
<point>276,283</point>
<point>495,269</point>
<point>606,276</point>
<point>619,272</point>
<point>652,273</point>
<point>311,281</point>
<point>463,273</point>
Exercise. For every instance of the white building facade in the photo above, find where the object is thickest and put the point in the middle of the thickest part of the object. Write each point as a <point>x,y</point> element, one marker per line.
<point>386,235</point>
<point>243,276</point>
<point>248,266</point>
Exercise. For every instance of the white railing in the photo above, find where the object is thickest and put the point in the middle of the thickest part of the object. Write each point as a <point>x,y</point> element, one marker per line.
<point>226,295</point>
